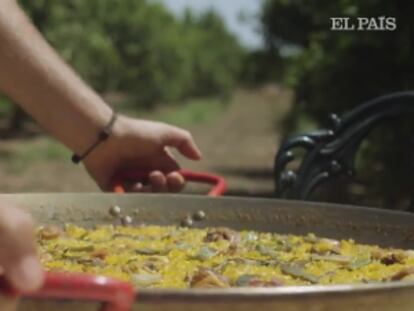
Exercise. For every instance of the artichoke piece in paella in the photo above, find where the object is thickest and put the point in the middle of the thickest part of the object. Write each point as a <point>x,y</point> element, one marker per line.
<point>175,257</point>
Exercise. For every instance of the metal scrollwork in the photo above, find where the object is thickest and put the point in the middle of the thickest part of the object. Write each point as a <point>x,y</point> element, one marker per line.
<point>330,153</point>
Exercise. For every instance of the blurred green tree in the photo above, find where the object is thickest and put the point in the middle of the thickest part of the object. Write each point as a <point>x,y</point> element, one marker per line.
<point>333,71</point>
<point>339,70</point>
<point>140,49</point>
<point>217,54</point>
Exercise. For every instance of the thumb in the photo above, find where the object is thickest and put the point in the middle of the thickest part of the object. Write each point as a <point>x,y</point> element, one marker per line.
<point>183,141</point>
<point>18,256</point>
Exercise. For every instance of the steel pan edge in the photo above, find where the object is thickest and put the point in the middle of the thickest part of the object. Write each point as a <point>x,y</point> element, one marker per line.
<point>384,296</point>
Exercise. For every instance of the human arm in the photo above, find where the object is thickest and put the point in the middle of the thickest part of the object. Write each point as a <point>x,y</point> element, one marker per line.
<point>34,75</point>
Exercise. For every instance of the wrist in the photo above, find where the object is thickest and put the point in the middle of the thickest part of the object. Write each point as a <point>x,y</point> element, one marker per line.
<point>103,135</point>
<point>105,151</point>
<point>89,125</point>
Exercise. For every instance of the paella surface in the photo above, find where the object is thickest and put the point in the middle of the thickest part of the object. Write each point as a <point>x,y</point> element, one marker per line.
<point>175,257</point>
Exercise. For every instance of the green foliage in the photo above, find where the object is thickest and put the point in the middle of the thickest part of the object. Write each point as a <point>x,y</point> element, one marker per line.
<point>5,107</point>
<point>262,66</point>
<point>20,156</point>
<point>189,112</point>
<point>336,71</point>
<point>218,58</point>
<point>193,111</point>
<point>339,70</point>
<point>140,48</point>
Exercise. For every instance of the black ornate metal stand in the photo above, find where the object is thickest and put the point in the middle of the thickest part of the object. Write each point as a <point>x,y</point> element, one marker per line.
<point>330,153</point>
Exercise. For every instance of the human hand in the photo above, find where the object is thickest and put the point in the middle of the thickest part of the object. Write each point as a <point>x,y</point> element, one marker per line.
<point>141,144</point>
<point>18,260</point>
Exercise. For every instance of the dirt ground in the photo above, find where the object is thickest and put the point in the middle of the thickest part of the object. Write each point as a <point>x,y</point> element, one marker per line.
<point>242,143</point>
<point>239,144</point>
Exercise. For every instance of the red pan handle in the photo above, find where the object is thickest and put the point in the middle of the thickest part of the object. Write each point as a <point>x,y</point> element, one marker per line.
<point>218,182</point>
<point>117,295</point>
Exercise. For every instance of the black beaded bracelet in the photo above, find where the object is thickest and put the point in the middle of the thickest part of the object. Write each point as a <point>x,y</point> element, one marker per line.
<point>102,136</point>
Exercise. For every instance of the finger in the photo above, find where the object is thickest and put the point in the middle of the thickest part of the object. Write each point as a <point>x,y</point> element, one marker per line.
<point>183,141</point>
<point>175,182</point>
<point>158,181</point>
<point>18,256</point>
<point>165,162</point>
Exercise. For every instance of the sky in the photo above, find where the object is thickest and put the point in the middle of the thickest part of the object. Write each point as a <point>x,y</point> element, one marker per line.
<point>230,11</point>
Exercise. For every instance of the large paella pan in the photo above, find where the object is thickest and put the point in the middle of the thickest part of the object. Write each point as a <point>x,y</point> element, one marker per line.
<point>384,228</point>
